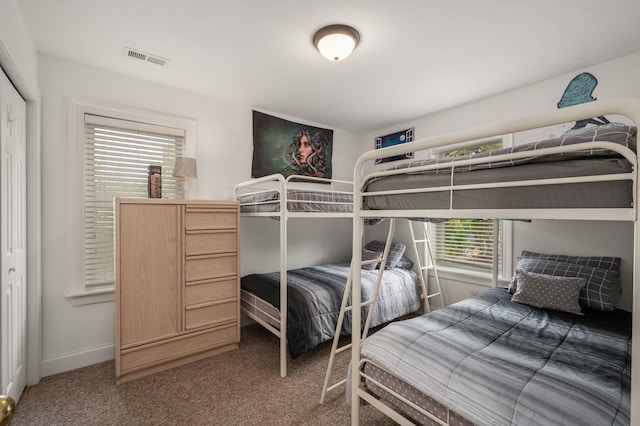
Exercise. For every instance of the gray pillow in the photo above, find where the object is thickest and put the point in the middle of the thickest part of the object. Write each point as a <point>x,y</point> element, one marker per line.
<point>395,251</point>
<point>549,292</point>
<point>609,263</point>
<point>405,263</point>
<point>371,255</point>
<point>595,294</point>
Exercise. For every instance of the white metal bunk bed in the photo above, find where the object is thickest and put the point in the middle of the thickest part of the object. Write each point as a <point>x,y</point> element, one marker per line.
<point>281,198</point>
<point>268,196</point>
<point>629,108</point>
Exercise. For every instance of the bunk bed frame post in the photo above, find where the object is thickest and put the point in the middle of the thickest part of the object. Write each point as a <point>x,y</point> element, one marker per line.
<point>635,326</point>
<point>494,259</point>
<point>356,259</point>
<point>284,262</point>
<point>632,110</point>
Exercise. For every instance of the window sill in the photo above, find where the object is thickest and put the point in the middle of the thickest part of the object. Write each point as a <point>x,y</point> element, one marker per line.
<point>91,297</point>
<point>467,276</point>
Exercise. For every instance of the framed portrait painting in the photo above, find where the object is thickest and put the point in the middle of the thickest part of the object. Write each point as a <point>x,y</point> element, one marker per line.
<point>286,147</point>
<point>395,139</point>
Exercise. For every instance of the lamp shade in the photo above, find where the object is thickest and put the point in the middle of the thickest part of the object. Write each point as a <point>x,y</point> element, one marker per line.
<point>336,42</point>
<point>185,168</point>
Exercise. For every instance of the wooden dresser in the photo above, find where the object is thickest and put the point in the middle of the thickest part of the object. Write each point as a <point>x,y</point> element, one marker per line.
<point>177,283</point>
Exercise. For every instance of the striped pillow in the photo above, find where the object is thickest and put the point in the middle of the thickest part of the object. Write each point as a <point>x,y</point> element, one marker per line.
<point>609,263</point>
<point>395,251</point>
<point>371,255</point>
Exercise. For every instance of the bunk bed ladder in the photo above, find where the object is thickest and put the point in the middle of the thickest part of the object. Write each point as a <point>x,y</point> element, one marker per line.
<point>344,308</point>
<point>423,270</point>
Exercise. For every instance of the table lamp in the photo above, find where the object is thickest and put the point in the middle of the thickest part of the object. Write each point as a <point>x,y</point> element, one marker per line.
<point>185,169</point>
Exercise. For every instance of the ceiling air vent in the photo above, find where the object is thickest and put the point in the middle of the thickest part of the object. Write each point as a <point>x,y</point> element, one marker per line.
<point>137,54</point>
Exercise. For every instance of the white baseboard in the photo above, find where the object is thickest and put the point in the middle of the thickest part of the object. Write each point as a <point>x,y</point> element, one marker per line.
<point>73,360</point>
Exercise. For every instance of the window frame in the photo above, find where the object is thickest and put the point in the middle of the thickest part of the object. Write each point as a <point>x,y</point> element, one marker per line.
<point>77,292</point>
<point>460,271</point>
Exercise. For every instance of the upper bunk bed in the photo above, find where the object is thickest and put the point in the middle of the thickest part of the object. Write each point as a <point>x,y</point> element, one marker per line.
<point>316,291</point>
<point>586,174</point>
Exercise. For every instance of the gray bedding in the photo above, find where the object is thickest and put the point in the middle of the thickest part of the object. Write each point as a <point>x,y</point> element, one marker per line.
<point>315,295</point>
<point>497,362</point>
<point>617,194</point>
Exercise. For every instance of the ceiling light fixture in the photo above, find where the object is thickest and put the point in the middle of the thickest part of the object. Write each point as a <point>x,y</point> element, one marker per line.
<point>336,42</point>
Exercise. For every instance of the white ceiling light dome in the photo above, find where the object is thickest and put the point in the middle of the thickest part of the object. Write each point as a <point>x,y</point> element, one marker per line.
<point>336,42</point>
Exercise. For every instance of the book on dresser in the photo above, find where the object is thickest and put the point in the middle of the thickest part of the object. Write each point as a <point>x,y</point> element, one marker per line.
<point>177,283</point>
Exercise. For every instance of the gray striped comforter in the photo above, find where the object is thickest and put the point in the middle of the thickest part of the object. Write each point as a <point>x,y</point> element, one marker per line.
<point>497,362</point>
<point>314,296</point>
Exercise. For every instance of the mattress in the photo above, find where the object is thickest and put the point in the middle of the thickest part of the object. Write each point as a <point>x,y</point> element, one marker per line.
<point>298,200</point>
<point>615,194</point>
<point>588,162</point>
<point>314,297</point>
<point>498,362</point>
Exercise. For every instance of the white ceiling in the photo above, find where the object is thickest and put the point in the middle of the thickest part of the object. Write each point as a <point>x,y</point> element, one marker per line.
<point>415,56</point>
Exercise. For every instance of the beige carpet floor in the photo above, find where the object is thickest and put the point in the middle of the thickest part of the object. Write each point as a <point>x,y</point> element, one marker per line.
<point>241,387</point>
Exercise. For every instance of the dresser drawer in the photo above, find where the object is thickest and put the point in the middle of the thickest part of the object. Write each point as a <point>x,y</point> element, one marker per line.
<point>176,348</point>
<point>211,315</point>
<point>210,242</point>
<point>211,219</point>
<point>211,291</point>
<point>203,268</point>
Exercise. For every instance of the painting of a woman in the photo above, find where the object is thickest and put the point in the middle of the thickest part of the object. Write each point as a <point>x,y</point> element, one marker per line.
<point>282,146</point>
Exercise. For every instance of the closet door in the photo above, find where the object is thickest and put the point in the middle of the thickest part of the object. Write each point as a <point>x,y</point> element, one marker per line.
<point>13,264</point>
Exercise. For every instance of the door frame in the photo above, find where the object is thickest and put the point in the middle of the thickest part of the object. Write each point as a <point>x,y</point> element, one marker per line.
<point>30,92</point>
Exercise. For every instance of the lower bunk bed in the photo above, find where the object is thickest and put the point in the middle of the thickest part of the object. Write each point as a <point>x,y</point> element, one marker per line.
<point>314,296</point>
<point>499,362</point>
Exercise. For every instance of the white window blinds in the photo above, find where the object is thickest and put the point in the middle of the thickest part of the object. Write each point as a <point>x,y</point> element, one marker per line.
<point>466,243</point>
<point>116,158</point>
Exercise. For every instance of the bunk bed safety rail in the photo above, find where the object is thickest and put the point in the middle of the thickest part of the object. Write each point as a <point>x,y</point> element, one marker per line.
<point>457,164</point>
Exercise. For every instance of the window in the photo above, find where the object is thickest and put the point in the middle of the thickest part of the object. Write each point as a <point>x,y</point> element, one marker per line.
<point>115,152</point>
<point>467,244</point>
